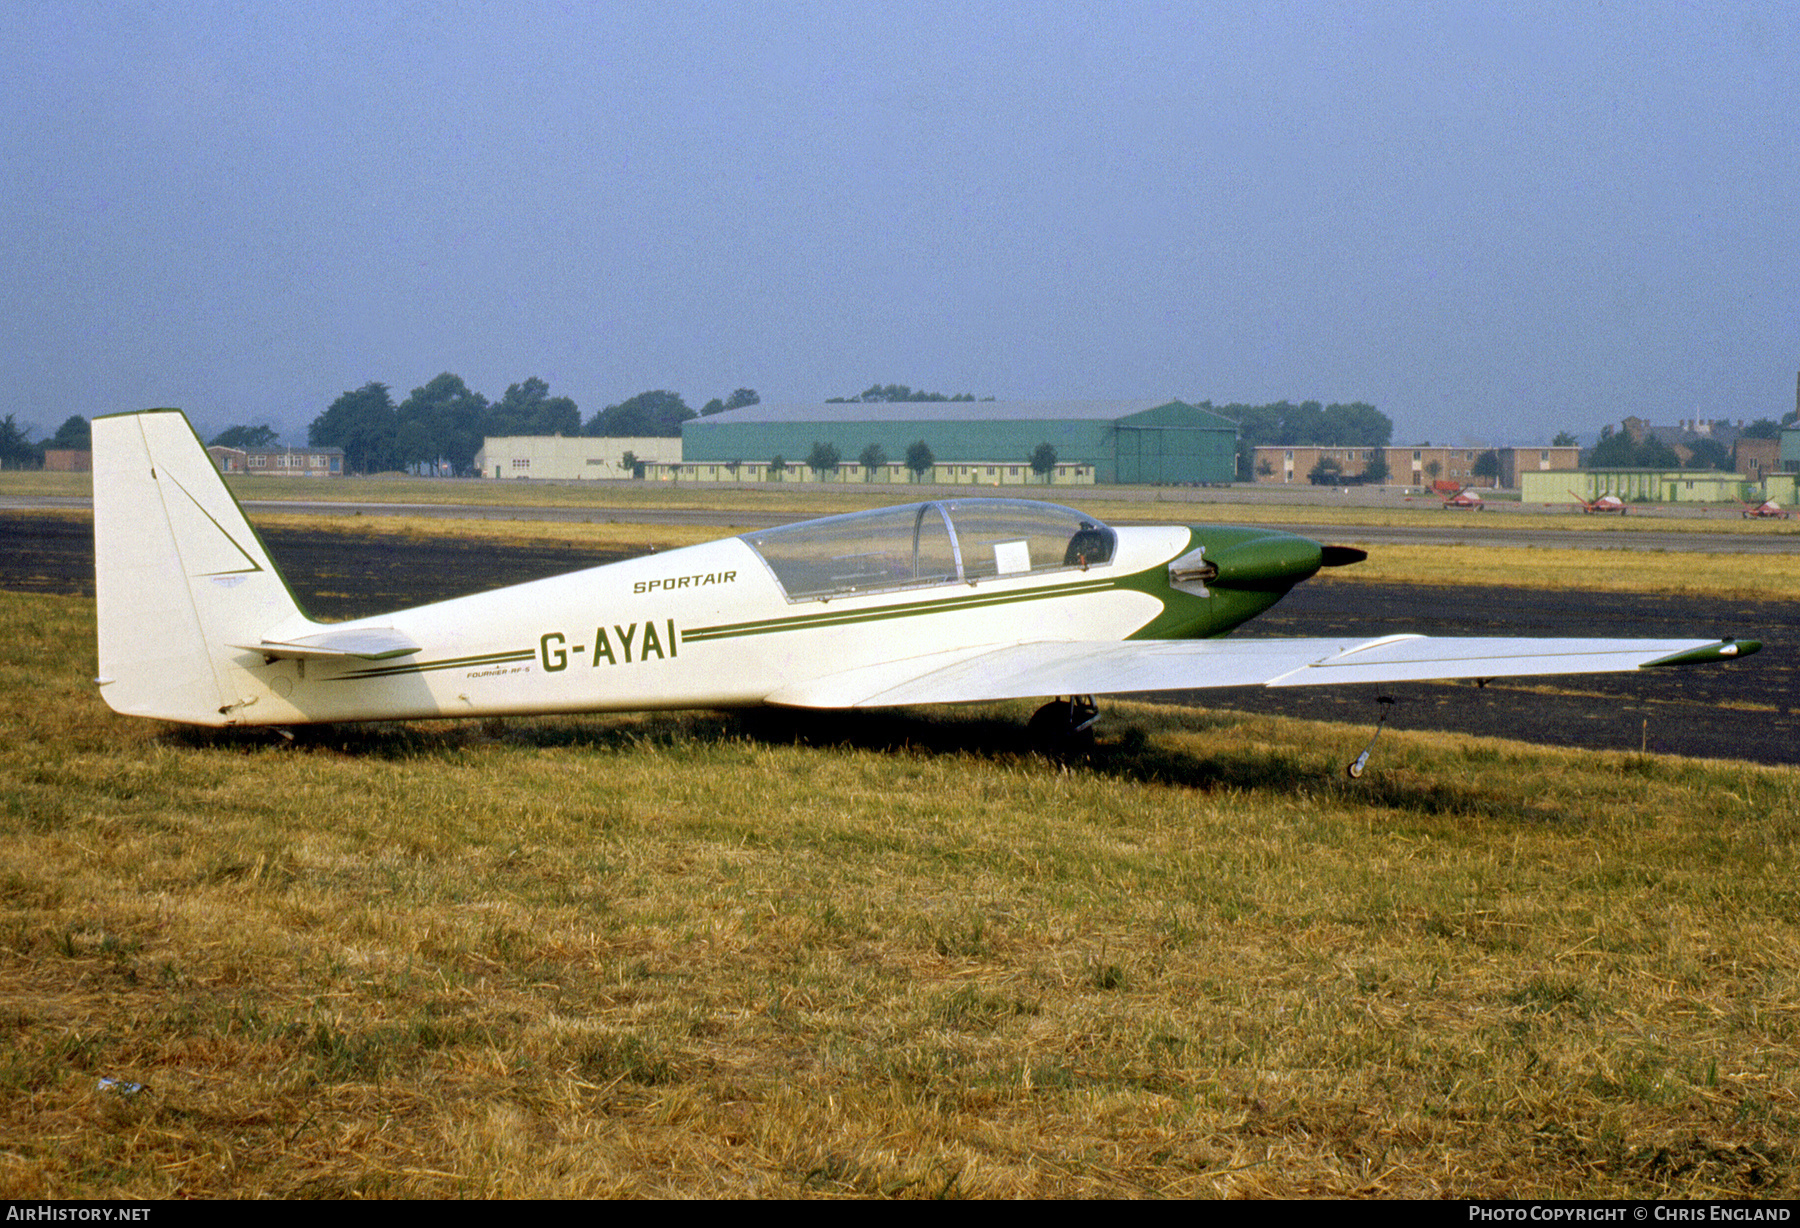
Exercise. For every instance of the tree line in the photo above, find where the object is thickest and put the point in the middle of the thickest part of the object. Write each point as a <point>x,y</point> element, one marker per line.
<point>17,451</point>
<point>880,393</point>
<point>445,421</point>
<point>1282,424</point>
<point>1618,450</point>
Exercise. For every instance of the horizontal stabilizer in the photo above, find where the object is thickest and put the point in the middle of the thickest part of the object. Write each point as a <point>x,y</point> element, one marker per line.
<point>363,643</point>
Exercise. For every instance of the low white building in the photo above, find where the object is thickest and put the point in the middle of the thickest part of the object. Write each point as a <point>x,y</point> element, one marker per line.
<point>280,462</point>
<point>944,473</point>
<point>571,458</point>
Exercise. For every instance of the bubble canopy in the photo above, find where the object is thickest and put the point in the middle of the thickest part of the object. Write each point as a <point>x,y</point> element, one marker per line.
<point>951,541</point>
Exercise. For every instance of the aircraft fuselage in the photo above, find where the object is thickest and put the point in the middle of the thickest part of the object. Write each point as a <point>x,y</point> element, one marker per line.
<point>710,626</point>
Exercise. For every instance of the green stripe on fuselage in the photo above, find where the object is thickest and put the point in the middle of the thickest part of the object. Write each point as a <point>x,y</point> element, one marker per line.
<point>420,667</point>
<point>941,605</point>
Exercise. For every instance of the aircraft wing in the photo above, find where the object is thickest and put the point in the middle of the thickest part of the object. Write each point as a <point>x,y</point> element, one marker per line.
<point>1020,671</point>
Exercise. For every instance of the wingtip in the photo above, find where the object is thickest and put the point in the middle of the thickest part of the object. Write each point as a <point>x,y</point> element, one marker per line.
<point>1724,650</point>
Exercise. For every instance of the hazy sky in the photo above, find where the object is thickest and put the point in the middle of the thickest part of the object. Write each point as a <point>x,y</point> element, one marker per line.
<point>1491,226</point>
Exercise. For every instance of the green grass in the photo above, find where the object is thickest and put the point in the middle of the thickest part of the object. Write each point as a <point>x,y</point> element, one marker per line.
<point>892,955</point>
<point>1723,575</point>
<point>25,483</point>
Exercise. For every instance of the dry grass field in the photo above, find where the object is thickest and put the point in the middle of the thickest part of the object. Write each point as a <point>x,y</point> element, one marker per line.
<point>887,956</point>
<point>1122,504</point>
<point>1114,504</point>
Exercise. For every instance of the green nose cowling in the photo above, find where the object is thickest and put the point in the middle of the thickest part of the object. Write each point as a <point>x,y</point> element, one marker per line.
<point>1267,562</point>
<point>1229,576</point>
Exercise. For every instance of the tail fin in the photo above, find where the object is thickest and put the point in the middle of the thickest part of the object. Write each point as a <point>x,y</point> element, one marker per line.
<point>179,575</point>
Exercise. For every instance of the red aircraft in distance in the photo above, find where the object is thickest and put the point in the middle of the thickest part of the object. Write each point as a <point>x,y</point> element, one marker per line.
<point>1767,510</point>
<point>1605,503</point>
<point>1464,498</point>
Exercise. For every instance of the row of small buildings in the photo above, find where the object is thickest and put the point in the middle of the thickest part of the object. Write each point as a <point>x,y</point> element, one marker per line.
<point>981,443</point>
<point>270,462</point>
<point>1661,486</point>
<point>1094,442</point>
<point>280,462</point>
<point>1421,466</point>
<point>1533,471</point>
<point>971,442</point>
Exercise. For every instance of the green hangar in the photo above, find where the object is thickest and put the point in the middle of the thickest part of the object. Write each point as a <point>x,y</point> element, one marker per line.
<point>985,442</point>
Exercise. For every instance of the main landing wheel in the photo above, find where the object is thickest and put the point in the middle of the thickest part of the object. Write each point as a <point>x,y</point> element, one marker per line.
<point>1064,726</point>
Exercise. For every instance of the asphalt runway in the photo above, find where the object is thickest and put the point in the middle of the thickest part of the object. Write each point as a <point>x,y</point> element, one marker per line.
<point>1742,710</point>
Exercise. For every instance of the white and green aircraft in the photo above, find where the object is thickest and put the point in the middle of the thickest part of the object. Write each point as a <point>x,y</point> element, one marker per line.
<point>947,601</point>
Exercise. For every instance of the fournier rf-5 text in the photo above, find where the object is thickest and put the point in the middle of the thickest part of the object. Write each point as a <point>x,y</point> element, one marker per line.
<point>948,601</point>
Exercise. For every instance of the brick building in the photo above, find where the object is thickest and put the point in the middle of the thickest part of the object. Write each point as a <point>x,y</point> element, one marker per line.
<point>1419,466</point>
